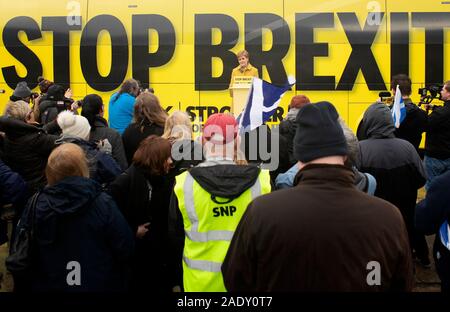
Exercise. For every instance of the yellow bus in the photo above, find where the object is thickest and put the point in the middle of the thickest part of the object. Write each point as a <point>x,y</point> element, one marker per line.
<point>343,51</point>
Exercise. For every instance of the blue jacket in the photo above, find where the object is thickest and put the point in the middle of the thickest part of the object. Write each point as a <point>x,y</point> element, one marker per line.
<point>13,189</point>
<point>76,221</point>
<point>102,167</point>
<point>121,111</point>
<point>434,210</point>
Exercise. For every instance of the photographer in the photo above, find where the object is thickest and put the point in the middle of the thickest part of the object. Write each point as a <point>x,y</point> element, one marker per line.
<point>54,102</point>
<point>437,144</point>
<point>415,122</point>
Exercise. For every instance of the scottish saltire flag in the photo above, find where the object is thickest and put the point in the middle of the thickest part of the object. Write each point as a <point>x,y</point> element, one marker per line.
<point>444,232</point>
<point>398,109</point>
<point>263,100</point>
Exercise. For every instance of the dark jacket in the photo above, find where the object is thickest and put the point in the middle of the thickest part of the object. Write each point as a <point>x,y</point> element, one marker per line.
<point>144,198</point>
<point>13,196</point>
<point>49,109</point>
<point>437,143</point>
<point>76,221</point>
<point>26,150</point>
<point>132,137</point>
<point>288,127</point>
<point>393,162</point>
<point>413,125</point>
<point>430,215</point>
<point>13,188</point>
<point>102,167</point>
<point>320,235</point>
<point>101,132</point>
<point>223,180</point>
<point>186,154</point>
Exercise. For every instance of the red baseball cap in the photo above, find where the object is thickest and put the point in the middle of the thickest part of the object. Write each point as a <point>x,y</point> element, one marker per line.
<point>220,128</point>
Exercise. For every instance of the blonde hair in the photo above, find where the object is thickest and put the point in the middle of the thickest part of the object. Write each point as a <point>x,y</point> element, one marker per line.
<point>242,53</point>
<point>67,160</point>
<point>18,110</point>
<point>178,127</point>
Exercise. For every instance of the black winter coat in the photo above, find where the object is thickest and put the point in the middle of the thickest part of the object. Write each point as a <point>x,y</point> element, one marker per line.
<point>437,144</point>
<point>144,198</point>
<point>413,125</point>
<point>26,150</point>
<point>132,137</point>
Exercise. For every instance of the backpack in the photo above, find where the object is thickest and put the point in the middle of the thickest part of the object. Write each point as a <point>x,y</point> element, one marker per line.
<point>20,259</point>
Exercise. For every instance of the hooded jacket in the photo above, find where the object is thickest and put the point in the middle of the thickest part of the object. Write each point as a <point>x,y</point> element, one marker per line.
<point>396,166</point>
<point>318,236</point>
<point>393,162</point>
<point>76,221</point>
<point>26,150</point>
<point>219,178</point>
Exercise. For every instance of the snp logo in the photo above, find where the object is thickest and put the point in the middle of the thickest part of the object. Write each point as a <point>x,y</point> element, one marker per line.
<point>224,211</point>
<point>374,275</point>
<point>74,276</point>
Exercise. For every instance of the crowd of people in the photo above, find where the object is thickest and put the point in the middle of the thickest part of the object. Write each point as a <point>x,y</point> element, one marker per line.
<point>140,205</point>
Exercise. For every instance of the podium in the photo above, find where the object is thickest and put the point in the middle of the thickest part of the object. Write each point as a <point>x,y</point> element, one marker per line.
<point>240,88</point>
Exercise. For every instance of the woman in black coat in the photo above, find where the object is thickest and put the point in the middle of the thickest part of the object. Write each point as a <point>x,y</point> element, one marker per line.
<point>143,193</point>
<point>26,145</point>
<point>149,118</point>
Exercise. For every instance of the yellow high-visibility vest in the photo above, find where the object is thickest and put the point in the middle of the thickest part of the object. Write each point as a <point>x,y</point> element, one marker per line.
<point>209,228</point>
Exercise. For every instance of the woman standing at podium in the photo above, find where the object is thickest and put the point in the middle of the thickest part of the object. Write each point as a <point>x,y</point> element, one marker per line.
<point>244,68</point>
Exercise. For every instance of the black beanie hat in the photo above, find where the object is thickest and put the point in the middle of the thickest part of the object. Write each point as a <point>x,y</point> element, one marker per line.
<point>318,133</point>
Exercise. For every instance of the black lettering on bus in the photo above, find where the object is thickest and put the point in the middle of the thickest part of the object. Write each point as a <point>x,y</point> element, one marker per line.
<point>272,59</point>
<point>399,43</point>
<point>21,52</point>
<point>434,23</point>
<point>306,50</point>
<point>205,51</point>
<point>61,43</point>
<point>361,57</point>
<point>142,59</point>
<point>119,52</point>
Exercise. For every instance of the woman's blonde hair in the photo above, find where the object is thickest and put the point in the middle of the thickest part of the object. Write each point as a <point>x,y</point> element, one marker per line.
<point>67,160</point>
<point>178,127</point>
<point>148,109</point>
<point>242,53</point>
<point>18,110</point>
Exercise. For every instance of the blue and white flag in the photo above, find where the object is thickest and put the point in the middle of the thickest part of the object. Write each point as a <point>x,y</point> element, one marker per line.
<point>262,103</point>
<point>398,109</point>
<point>444,232</point>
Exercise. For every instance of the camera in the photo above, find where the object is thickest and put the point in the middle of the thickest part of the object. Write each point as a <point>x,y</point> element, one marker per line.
<point>428,94</point>
<point>385,97</point>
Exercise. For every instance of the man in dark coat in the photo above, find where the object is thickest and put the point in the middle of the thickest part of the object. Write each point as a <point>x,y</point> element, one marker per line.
<point>396,166</point>
<point>415,122</point>
<point>322,234</point>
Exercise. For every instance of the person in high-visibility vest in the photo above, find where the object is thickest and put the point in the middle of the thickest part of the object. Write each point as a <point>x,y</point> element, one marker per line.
<point>208,203</point>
